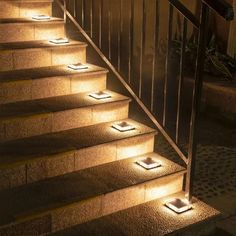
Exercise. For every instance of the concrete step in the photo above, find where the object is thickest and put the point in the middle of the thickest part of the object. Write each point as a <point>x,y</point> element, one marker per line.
<point>31,159</point>
<point>42,116</point>
<point>40,53</point>
<point>61,202</point>
<point>26,29</point>
<point>21,8</point>
<point>27,84</point>
<point>150,219</point>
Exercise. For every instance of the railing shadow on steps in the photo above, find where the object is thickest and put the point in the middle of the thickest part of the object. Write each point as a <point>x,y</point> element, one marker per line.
<point>82,14</point>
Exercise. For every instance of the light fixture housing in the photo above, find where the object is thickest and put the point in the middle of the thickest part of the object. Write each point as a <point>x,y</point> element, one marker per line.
<point>41,17</point>
<point>179,205</point>
<point>59,41</point>
<point>149,163</point>
<point>78,66</point>
<point>100,95</point>
<point>123,126</point>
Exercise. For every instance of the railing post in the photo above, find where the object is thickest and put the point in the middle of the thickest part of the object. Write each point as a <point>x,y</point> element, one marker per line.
<point>64,4</point>
<point>196,100</point>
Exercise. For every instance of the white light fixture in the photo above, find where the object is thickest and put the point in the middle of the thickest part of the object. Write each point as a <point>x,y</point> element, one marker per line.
<point>78,66</point>
<point>41,17</point>
<point>149,163</point>
<point>179,205</point>
<point>59,41</point>
<point>100,95</point>
<point>123,126</point>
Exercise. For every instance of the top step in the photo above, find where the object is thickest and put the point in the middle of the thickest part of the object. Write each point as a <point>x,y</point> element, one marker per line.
<point>25,8</point>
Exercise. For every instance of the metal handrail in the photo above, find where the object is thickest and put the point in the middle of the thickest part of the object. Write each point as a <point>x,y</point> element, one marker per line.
<point>126,85</point>
<point>223,9</point>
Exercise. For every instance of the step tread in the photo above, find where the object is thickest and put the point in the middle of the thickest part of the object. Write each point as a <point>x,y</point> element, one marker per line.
<point>38,44</point>
<point>54,104</point>
<point>46,72</point>
<point>17,151</point>
<point>28,20</point>
<point>23,1</point>
<point>151,218</point>
<point>43,196</point>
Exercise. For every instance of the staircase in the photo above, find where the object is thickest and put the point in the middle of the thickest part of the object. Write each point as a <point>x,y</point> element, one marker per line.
<point>63,168</point>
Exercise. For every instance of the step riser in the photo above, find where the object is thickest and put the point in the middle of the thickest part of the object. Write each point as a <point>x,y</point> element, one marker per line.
<point>26,32</point>
<point>96,207</point>
<point>63,120</point>
<point>24,9</point>
<point>34,58</point>
<point>74,160</point>
<point>49,87</point>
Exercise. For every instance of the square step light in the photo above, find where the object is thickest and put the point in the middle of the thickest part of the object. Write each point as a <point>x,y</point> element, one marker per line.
<point>78,66</point>
<point>100,95</point>
<point>123,126</point>
<point>149,163</point>
<point>59,41</point>
<point>41,17</point>
<point>179,205</point>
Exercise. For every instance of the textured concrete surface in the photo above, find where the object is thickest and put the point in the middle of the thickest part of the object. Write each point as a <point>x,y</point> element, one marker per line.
<point>40,53</point>
<point>52,81</point>
<point>14,9</point>
<point>151,218</point>
<point>30,118</point>
<point>26,29</point>
<point>99,186</point>
<point>36,158</point>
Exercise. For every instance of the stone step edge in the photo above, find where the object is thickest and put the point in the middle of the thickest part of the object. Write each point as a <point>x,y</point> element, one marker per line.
<point>43,113</point>
<point>96,71</point>
<point>41,45</point>
<point>185,229</point>
<point>51,156</point>
<point>43,212</point>
<point>23,21</point>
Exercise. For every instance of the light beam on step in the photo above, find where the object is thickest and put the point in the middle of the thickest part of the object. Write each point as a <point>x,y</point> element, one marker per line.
<point>41,17</point>
<point>123,126</point>
<point>179,205</point>
<point>149,163</point>
<point>100,95</point>
<point>59,41</point>
<point>78,66</point>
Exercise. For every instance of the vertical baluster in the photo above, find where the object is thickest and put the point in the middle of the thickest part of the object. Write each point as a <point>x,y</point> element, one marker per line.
<point>131,25</point>
<point>155,44</point>
<point>74,9</point>
<point>142,45</point>
<point>64,4</point>
<point>100,23</point>
<point>181,77</point>
<point>82,13</point>
<point>109,30</point>
<point>196,101</point>
<point>120,30</point>
<point>169,38</point>
<point>91,18</point>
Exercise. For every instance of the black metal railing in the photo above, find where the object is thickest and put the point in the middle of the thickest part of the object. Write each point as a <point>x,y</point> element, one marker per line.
<point>133,29</point>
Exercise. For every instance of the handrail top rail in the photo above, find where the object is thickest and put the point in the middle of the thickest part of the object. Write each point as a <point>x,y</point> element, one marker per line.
<point>185,12</point>
<point>222,8</point>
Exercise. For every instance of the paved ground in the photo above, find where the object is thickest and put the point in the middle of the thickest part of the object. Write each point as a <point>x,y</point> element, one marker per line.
<point>215,176</point>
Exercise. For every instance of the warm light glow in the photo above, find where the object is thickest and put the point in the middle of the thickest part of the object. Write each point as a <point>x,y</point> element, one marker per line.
<point>78,66</point>
<point>100,95</point>
<point>41,17</point>
<point>123,126</point>
<point>59,41</point>
<point>179,205</point>
<point>148,163</point>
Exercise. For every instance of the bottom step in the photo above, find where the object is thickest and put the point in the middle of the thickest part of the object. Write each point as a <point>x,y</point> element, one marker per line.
<point>151,218</point>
